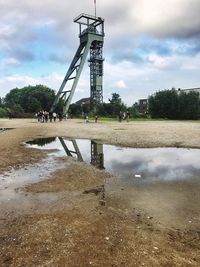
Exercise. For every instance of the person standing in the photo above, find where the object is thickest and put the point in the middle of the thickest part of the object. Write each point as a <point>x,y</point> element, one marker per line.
<point>46,116</point>
<point>50,116</point>
<point>127,115</point>
<point>124,115</point>
<point>60,116</point>
<point>120,116</point>
<point>54,116</point>
<point>42,116</point>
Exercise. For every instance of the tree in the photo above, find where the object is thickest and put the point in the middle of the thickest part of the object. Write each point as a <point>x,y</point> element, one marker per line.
<point>189,105</point>
<point>134,112</point>
<point>115,106</point>
<point>3,112</point>
<point>31,98</point>
<point>115,99</point>
<point>76,110</point>
<point>171,104</point>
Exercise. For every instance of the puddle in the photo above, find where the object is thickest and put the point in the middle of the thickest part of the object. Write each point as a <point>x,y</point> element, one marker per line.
<point>10,181</point>
<point>132,165</point>
<point>163,182</point>
<point>5,129</point>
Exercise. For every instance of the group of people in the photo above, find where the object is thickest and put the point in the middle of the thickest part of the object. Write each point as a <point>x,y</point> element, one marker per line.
<point>45,116</point>
<point>86,118</point>
<point>124,116</point>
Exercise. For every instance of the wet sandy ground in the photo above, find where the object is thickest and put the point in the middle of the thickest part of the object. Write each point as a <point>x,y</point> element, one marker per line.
<point>70,219</point>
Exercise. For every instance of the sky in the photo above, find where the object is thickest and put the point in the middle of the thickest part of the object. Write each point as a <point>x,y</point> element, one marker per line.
<point>150,45</point>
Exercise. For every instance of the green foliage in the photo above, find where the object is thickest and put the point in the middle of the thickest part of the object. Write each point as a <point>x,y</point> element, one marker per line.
<point>115,99</point>
<point>16,111</point>
<point>30,99</point>
<point>134,112</point>
<point>3,112</point>
<point>79,110</point>
<point>59,106</point>
<point>111,109</point>
<point>170,104</point>
<point>189,105</point>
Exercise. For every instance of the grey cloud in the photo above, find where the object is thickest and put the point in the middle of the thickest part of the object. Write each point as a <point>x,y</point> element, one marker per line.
<point>135,17</point>
<point>23,54</point>
<point>61,59</point>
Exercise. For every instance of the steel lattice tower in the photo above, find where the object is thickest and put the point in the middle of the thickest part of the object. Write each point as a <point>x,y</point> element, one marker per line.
<point>91,34</point>
<point>96,72</point>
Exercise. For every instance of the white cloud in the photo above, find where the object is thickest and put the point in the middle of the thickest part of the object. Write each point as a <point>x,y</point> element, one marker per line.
<point>6,30</point>
<point>9,62</point>
<point>52,80</point>
<point>12,81</point>
<point>120,84</point>
<point>164,63</point>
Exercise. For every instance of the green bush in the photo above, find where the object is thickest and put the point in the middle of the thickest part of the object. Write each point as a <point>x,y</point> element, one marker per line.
<point>3,113</point>
<point>171,104</point>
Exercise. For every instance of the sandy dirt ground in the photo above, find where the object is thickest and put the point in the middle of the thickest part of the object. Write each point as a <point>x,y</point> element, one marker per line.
<point>69,219</point>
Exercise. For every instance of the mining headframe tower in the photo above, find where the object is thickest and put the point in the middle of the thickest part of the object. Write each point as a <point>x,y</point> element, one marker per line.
<point>91,34</point>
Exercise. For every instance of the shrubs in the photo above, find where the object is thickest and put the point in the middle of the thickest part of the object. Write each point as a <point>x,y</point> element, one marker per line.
<point>3,113</point>
<point>170,104</point>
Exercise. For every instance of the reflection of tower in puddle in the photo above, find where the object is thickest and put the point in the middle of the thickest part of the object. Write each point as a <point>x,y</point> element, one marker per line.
<point>97,157</point>
<point>97,160</point>
<point>73,152</point>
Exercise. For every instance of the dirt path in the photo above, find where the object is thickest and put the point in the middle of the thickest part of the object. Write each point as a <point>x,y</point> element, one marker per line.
<point>70,220</point>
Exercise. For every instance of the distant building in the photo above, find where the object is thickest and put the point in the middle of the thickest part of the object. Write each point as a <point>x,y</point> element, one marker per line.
<point>189,90</point>
<point>84,101</point>
<point>142,105</point>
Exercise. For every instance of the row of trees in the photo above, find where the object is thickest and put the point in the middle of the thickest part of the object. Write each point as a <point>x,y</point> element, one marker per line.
<point>173,104</point>
<point>168,104</point>
<point>3,110</point>
<point>111,109</point>
<point>27,100</point>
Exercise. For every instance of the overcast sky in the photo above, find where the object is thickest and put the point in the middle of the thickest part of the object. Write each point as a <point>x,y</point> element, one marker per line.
<point>150,45</point>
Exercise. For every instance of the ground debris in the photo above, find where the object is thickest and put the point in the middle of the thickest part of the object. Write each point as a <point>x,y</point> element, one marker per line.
<point>96,190</point>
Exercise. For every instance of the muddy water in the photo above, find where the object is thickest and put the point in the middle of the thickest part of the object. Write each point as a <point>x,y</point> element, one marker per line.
<point>12,181</point>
